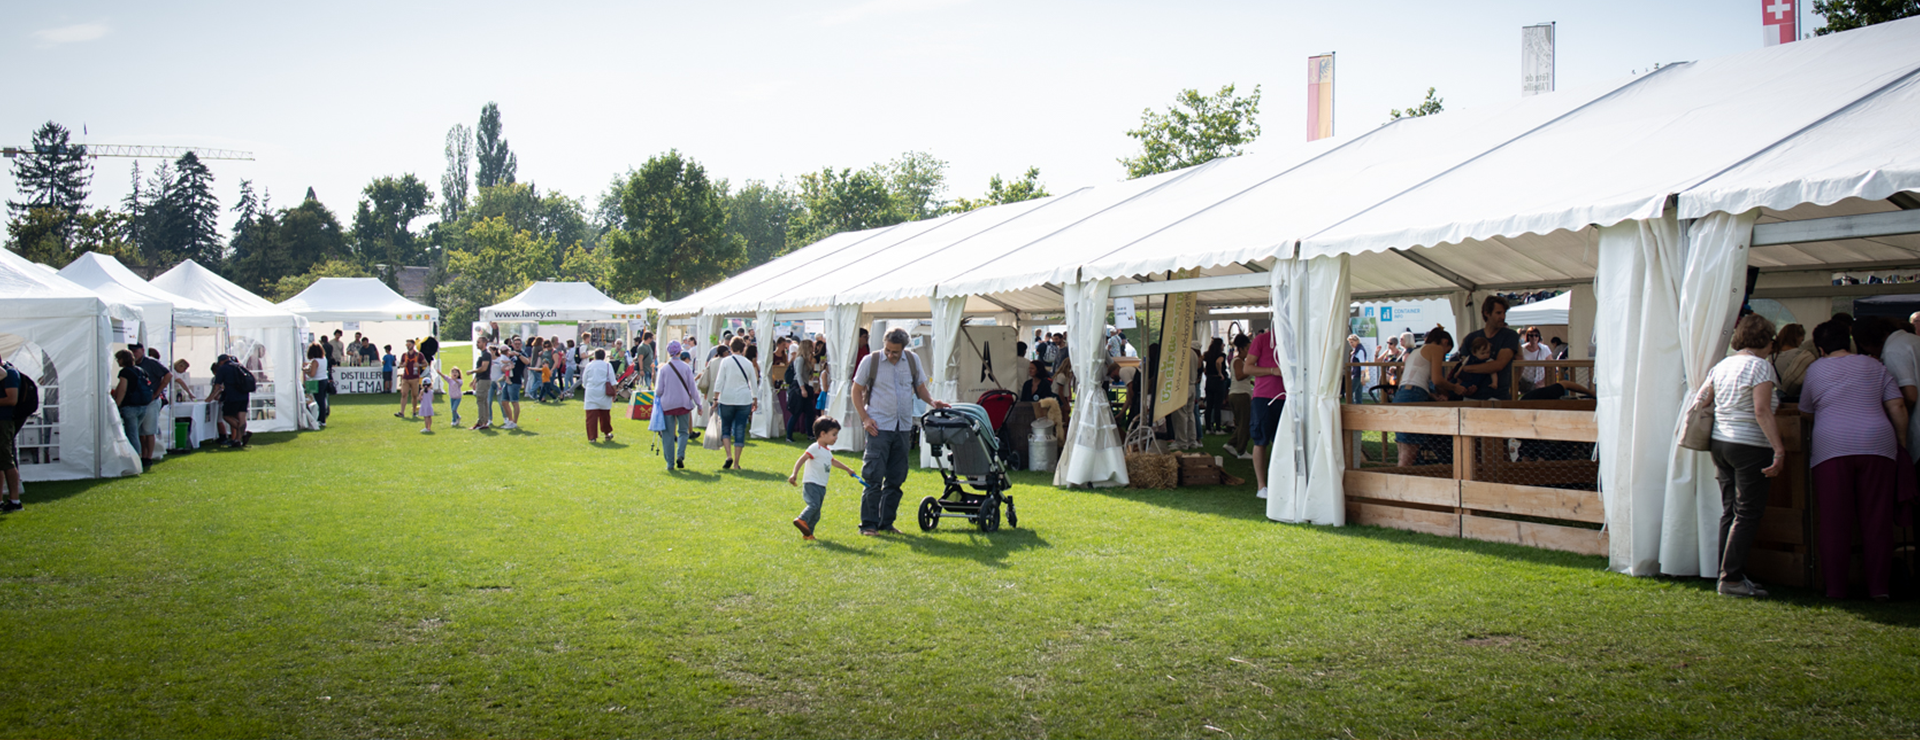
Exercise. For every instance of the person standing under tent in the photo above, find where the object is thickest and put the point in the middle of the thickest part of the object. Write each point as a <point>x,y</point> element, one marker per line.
<point>1900,352</point>
<point>411,364</point>
<point>483,383</point>
<point>1859,428</point>
<point>387,361</point>
<point>314,373</point>
<point>1269,399</point>
<point>1356,373</point>
<point>733,379</point>
<point>1744,428</point>
<point>861,350</point>
<point>13,488</point>
<point>1506,344</point>
<point>232,385</point>
<point>1533,350</point>
<point>336,351</point>
<point>1213,366</point>
<point>133,393</point>
<point>884,387</point>
<point>1240,399</point>
<point>598,379</point>
<point>158,377</point>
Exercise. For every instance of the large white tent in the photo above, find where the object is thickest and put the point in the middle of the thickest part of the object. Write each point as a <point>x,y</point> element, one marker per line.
<point>1550,312</point>
<point>1649,195</point>
<point>265,337</point>
<point>63,335</point>
<point>363,305</point>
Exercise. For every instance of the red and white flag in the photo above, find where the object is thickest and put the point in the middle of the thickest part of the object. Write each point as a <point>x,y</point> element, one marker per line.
<point>1779,21</point>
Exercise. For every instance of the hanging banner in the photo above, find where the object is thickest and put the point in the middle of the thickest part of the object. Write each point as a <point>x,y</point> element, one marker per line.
<point>1176,354</point>
<point>1123,317</point>
<point>1779,21</point>
<point>1536,59</point>
<point>1319,96</point>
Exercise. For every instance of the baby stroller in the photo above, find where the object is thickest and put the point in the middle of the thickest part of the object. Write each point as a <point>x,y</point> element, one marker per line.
<point>976,479</point>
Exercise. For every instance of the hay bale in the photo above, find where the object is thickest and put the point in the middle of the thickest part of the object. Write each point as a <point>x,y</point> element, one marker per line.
<point>1150,470</point>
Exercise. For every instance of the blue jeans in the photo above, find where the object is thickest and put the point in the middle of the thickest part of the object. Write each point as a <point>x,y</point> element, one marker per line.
<point>454,401</point>
<point>130,417</point>
<point>733,422</point>
<point>673,441</point>
<point>884,466</point>
<point>813,495</point>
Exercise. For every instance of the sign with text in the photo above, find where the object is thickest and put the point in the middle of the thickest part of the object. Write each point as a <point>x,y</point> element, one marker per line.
<point>1536,59</point>
<point>1123,313</point>
<point>359,380</point>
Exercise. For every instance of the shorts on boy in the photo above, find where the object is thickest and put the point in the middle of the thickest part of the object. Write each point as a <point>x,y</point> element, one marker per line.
<point>387,377</point>
<point>1266,421</point>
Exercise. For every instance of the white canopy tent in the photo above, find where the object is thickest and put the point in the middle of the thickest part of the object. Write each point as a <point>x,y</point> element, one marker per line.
<point>363,305</point>
<point>267,339</point>
<point>63,335</point>
<point>1647,195</point>
<point>1550,312</point>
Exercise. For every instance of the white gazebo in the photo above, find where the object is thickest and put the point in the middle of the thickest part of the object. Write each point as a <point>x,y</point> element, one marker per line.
<point>363,305</point>
<point>267,339</point>
<point>63,335</point>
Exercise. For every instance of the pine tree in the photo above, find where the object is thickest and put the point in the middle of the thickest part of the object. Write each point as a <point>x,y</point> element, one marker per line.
<point>192,227</point>
<point>54,173</point>
<point>497,163</point>
<point>135,206</point>
<point>453,184</point>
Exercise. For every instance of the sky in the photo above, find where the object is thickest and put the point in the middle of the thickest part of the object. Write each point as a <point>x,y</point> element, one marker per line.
<point>331,95</point>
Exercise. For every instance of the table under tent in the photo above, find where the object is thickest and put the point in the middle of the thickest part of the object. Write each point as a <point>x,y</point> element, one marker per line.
<point>1647,197</point>
<point>267,340</point>
<point>368,307</point>
<point>177,326</point>
<point>63,336</point>
<point>565,311</point>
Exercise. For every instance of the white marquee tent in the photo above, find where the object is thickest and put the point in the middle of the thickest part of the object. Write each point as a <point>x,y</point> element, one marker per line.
<point>267,339</point>
<point>63,335</point>
<point>1648,195</point>
<point>1550,312</point>
<point>365,305</point>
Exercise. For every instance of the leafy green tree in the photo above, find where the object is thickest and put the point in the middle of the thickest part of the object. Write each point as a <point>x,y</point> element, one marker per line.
<point>287,242</point>
<point>453,184</point>
<point>383,239</point>
<point>758,217</point>
<point>497,162</point>
<point>1196,129</point>
<point>106,231</point>
<point>1846,15</point>
<point>1000,192</point>
<point>489,262</point>
<point>675,239</point>
<point>917,181</point>
<point>847,200</point>
<point>291,285</point>
<point>550,216</point>
<point>39,235</point>
<point>52,173</point>
<point>1426,107</point>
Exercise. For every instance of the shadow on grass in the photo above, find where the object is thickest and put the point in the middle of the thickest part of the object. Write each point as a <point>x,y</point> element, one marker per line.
<point>759,475</point>
<point>40,492</point>
<point>964,542</point>
<point>690,475</point>
<point>840,549</point>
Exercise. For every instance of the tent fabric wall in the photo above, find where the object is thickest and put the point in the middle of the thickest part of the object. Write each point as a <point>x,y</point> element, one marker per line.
<point>766,418</point>
<point>1286,458</point>
<point>1092,454</point>
<point>843,334</point>
<point>276,332</point>
<point>1325,304</point>
<point>48,320</point>
<point>948,313</point>
<point>1710,291</point>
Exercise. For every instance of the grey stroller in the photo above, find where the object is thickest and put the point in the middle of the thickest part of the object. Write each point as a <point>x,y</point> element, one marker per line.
<point>966,450</point>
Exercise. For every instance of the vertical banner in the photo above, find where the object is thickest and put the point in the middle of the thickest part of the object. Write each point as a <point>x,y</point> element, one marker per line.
<point>1176,352</point>
<point>1536,59</point>
<point>1779,21</point>
<point>1319,96</point>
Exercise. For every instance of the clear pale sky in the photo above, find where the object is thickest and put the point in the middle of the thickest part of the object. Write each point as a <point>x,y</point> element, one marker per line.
<point>333,94</point>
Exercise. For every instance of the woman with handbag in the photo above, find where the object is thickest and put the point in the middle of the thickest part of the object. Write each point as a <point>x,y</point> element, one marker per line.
<point>674,404</point>
<point>315,374</point>
<point>1745,445</point>
<point>734,398</point>
<point>1859,428</point>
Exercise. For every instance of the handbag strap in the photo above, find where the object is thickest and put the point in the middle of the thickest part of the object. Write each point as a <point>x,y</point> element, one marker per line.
<point>683,382</point>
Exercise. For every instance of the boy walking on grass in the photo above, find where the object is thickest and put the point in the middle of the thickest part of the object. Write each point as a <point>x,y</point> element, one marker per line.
<point>818,463</point>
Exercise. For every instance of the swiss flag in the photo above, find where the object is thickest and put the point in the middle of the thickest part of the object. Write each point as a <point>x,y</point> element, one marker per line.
<point>1779,21</point>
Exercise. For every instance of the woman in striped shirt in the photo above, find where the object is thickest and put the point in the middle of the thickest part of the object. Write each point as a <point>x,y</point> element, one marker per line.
<point>1746,446</point>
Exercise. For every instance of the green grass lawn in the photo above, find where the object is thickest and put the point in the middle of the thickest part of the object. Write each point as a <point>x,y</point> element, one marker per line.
<point>371,581</point>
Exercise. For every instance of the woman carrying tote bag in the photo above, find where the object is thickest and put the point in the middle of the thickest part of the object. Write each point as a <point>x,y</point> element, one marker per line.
<point>1746,447</point>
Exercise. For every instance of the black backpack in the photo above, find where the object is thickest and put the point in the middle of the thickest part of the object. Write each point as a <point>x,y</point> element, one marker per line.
<point>27,401</point>
<point>139,388</point>
<point>247,382</point>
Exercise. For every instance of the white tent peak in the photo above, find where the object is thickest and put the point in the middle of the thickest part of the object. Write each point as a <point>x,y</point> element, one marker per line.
<point>356,299</point>
<point>561,301</point>
<point>191,280</point>
<point>112,280</point>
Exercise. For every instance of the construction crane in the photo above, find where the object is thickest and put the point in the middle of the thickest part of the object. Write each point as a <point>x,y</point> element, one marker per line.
<point>127,150</point>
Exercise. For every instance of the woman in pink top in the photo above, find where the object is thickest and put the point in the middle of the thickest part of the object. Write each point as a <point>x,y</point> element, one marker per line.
<point>1269,398</point>
<point>1859,427</point>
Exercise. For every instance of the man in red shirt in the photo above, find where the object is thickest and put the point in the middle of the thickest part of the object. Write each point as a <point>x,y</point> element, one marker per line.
<point>411,364</point>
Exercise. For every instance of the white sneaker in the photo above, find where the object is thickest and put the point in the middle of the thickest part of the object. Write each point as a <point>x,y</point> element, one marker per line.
<point>1228,448</point>
<point>1261,494</point>
<point>511,425</point>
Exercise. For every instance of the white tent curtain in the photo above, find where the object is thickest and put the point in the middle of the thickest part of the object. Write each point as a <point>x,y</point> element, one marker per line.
<point>766,421</point>
<point>1092,454</point>
<point>1286,457</point>
<point>843,331</point>
<point>1640,387</point>
<point>706,331</point>
<point>948,313</point>
<point>1313,396</point>
<point>1711,287</point>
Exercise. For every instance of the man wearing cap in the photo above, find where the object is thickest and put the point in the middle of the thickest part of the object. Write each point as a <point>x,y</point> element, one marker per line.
<point>159,378</point>
<point>884,386</point>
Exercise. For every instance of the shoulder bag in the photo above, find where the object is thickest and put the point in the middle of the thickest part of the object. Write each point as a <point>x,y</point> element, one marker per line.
<point>1696,425</point>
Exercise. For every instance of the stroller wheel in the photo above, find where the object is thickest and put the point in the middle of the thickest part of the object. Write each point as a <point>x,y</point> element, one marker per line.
<point>989,517</point>
<point>1013,519</point>
<point>929,514</point>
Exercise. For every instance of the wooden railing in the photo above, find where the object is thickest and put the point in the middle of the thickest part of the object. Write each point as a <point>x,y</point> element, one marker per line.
<point>1579,371</point>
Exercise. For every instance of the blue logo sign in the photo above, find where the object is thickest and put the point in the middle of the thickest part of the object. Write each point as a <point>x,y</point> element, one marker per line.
<point>1386,313</point>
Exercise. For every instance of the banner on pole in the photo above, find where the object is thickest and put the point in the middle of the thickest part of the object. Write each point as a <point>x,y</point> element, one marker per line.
<point>1319,96</point>
<point>1176,355</point>
<point>1779,21</point>
<point>1536,59</point>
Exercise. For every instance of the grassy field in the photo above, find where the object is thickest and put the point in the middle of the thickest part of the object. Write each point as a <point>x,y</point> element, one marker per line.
<point>371,581</point>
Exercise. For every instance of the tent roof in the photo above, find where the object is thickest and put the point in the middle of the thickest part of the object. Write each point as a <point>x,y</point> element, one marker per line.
<point>1550,311</point>
<point>111,279</point>
<point>557,301</point>
<point>199,283</point>
<point>356,299</point>
<point>42,292</point>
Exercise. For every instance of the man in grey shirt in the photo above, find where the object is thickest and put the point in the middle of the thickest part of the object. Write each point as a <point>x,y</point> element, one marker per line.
<point>884,386</point>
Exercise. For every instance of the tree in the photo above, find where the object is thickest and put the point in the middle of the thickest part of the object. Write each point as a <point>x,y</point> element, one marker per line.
<point>489,262</point>
<point>186,216</point>
<point>291,285</point>
<point>999,192</point>
<point>52,173</point>
<point>453,184</point>
<point>758,217</point>
<point>1196,129</point>
<point>846,200</point>
<point>285,242</point>
<point>383,239</point>
<point>107,232</point>
<point>917,180</point>
<point>551,216</point>
<point>1426,107</point>
<point>1846,15</point>
<point>497,162</point>
<point>38,235</point>
<point>675,237</point>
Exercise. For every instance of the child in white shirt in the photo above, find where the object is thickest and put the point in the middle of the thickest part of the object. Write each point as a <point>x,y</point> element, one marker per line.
<point>819,464</point>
